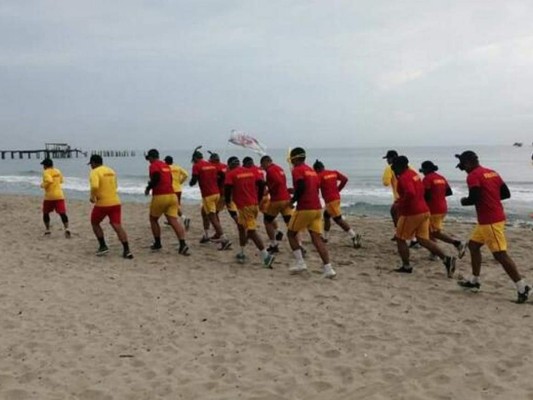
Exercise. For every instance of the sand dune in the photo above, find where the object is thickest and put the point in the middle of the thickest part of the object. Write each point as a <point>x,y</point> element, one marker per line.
<point>164,326</point>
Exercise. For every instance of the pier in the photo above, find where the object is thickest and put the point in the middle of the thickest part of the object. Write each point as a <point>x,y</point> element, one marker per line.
<point>51,150</point>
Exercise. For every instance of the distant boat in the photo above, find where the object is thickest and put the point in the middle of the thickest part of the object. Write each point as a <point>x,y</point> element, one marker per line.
<point>518,144</point>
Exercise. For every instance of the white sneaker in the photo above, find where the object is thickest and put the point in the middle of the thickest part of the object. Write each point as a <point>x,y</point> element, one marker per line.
<point>328,272</point>
<point>300,266</point>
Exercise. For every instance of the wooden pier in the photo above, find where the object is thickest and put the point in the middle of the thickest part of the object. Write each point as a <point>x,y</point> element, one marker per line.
<point>51,150</point>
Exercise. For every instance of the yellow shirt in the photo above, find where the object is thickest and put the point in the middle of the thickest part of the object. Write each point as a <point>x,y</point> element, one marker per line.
<point>103,182</point>
<point>389,179</point>
<point>52,180</point>
<point>179,175</point>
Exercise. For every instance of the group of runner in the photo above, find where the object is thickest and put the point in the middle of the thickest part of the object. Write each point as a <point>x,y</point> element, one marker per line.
<point>420,206</point>
<point>246,190</point>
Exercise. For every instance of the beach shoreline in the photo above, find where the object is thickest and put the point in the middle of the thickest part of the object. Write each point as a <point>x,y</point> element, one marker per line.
<point>163,326</point>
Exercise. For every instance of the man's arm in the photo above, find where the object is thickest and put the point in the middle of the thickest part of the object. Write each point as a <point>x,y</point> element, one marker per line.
<point>427,195</point>
<point>154,180</point>
<point>228,189</point>
<point>194,180</point>
<point>343,180</point>
<point>474,194</point>
<point>299,189</point>
<point>449,191</point>
<point>505,193</point>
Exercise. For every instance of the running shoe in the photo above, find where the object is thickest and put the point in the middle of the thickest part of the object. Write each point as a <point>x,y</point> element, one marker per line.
<point>329,272</point>
<point>461,250</point>
<point>127,255</point>
<point>522,297</point>
<point>298,267</point>
<point>404,269</point>
<point>273,249</point>
<point>357,241</point>
<point>184,250</point>
<point>472,286</point>
<point>449,263</point>
<point>187,223</point>
<point>268,260</point>
<point>241,258</point>
<point>47,233</point>
<point>156,247</point>
<point>67,234</point>
<point>224,245</point>
<point>205,239</point>
<point>102,250</point>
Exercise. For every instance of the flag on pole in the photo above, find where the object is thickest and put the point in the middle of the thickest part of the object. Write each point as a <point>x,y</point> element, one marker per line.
<point>248,142</point>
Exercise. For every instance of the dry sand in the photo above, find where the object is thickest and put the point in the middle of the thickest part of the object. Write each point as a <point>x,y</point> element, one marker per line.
<point>163,326</point>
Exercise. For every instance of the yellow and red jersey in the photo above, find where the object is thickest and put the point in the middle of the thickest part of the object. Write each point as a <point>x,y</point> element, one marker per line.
<point>103,182</point>
<point>276,182</point>
<point>437,185</point>
<point>411,199</point>
<point>51,183</point>
<point>489,207</point>
<point>244,186</point>
<point>207,174</point>
<point>331,182</point>
<point>164,186</point>
<point>310,199</point>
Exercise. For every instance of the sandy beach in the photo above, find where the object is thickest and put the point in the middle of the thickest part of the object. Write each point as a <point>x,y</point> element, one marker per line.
<point>164,326</point>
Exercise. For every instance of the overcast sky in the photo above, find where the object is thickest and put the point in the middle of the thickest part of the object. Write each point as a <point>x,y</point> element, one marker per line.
<point>176,73</point>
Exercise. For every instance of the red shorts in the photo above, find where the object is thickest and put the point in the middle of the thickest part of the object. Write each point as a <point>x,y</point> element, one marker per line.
<point>113,212</point>
<point>58,206</point>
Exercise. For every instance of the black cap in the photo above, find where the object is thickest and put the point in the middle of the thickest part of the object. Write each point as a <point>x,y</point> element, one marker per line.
<point>400,162</point>
<point>428,166</point>
<point>152,153</point>
<point>169,160</point>
<point>233,162</point>
<point>214,157</point>
<point>391,154</point>
<point>318,165</point>
<point>297,152</point>
<point>96,159</point>
<point>47,162</point>
<point>247,161</point>
<point>467,155</point>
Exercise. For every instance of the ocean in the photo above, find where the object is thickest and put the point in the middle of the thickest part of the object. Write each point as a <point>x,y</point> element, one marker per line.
<point>364,194</point>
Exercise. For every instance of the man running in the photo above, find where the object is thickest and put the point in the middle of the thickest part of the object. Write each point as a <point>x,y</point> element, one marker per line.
<point>179,176</point>
<point>245,186</point>
<point>389,179</point>
<point>486,190</point>
<point>208,176</point>
<point>413,218</point>
<point>437,189</point>
<point>308,214</point>
<point>280,201</point>
<point>54,199</point>
<point>331,184</point>
<point>103,183</point>
<point>164,201</point>
<point>222,168</point>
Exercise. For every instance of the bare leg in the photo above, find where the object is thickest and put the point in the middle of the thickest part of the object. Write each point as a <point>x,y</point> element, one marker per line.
<point>254,236</point>
<point>46,220</point>
<point>177,227</point>
<point>444,237</point>
<point>156,229</point>
<point>508,265</point>
<point>475,255</point>
<point>403,250</point>
<point>320,246</point>
<point>432,247</point>
<point>119,230</point>
<point>213,218</point>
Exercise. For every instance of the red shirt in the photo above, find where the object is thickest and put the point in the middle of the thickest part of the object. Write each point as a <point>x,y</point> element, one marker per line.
<point>437,185</point>
<point>328,184</point>
<point>207,174</point>
<point>310,199</point>
<point>165,181</point>
<point>244,183</point>
<point>411,192</point>
<point>221,168</point>
<point>277,183</point>
<point>489,208</point>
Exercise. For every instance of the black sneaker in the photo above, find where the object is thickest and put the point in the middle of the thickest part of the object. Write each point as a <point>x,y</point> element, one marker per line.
<point>205,239</point>
<point>414,244</point>
<point>273,249</point>
<point>522,297</point>
<point>279,236</point>
<point>472,286</point>
<point>184,250</point>
<point>156,247</point>
<point>449,263</point>
<point>127,255</point>
<point>404,269</point>
<point>357,241</point>
<point>224,245</point>
<point>102,250</point>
